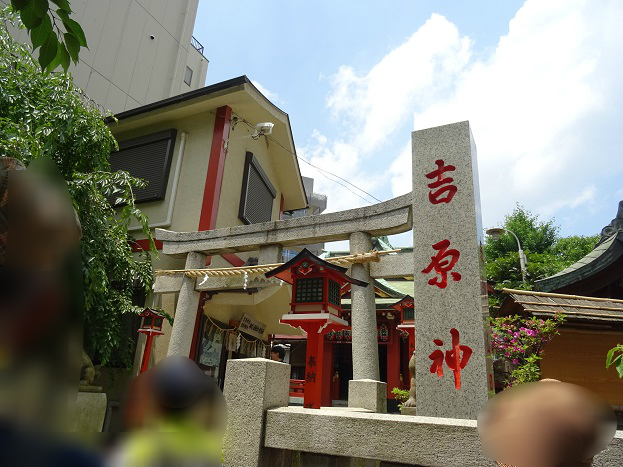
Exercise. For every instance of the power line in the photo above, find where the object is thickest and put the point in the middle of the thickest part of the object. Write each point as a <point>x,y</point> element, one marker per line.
<point>323,172</point>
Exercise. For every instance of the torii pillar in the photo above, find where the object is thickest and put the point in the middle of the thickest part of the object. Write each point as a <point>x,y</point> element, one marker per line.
<point>454,370</point>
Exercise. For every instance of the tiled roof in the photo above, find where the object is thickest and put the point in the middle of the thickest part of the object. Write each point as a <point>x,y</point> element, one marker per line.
<point>606,252</point>
<point>597,260</point>
<point>574,306</point>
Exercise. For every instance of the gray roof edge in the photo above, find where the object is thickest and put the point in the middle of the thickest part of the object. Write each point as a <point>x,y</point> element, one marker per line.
<point>585,270</point>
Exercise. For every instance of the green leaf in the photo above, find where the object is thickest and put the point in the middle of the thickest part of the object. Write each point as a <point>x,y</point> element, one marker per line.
<point>72,27</point>
<point>18,4</point>
<point>63,15</point>
<point>609,357</point>
<point>64,57</point>
<point>48,51</point>
<point>29,17</point>
<point>56,61</point>
<point>77,31</point>
<point>41,7</point>
<point>73,47</point>
<point>63,4</point>
<point>40,33</point>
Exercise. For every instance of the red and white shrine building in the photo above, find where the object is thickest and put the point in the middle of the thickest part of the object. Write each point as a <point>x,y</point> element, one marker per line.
<point>395,335</point>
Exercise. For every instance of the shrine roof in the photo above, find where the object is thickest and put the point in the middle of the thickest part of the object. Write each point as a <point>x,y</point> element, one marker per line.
<point>283,272</point>
<point>575,307</point>
<point>400,286</point>
<point>607,252</point>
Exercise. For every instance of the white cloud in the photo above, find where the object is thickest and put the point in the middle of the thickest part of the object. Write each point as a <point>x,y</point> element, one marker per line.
<point>538,105</point>
<point>371,107</point>
<point>271,96</point>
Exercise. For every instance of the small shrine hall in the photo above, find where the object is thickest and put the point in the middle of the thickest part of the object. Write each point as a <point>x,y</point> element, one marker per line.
<point>395,336</point>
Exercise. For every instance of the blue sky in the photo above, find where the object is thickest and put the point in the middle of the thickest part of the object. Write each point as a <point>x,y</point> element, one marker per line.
<point>539,81</point>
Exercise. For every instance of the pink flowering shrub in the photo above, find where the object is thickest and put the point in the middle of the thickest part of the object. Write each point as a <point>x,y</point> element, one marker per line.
<point>520,341</point>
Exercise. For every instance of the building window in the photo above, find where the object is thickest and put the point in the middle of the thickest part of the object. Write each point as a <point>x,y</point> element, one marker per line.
<point>258,194</point>
<point>148,157</point>
<point>188,76</point>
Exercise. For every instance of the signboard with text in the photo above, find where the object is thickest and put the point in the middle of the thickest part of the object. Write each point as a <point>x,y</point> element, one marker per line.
<point>251,326</point>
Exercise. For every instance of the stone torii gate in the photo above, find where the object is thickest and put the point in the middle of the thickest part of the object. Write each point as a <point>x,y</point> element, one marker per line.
<point>453,368</point>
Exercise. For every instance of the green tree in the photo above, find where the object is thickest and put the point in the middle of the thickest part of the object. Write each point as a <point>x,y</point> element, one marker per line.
<point>44,114</point>
<point>57,36</point>
<point>546,252</point>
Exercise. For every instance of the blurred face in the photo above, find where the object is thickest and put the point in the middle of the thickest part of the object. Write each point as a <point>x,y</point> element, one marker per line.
<point>541,425</point>
<point>275,356</point>
<point>43,226</point>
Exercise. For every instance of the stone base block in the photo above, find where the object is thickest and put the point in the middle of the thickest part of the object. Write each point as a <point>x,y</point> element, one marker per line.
<point>407,410</point>
<point>90,412</point>
<point>252,386</point>
<point>368,394</point>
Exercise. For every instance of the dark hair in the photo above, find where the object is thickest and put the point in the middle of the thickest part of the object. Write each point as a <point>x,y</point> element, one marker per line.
<point>279,350</point>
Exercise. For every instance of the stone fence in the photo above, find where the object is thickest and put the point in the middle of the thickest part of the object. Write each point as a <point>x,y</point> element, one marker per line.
<point>263,431</point>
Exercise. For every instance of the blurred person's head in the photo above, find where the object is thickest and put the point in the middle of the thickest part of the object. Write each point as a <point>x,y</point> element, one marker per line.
<point>545,424</point>
<point>278,353</point>
<point>178,391</point>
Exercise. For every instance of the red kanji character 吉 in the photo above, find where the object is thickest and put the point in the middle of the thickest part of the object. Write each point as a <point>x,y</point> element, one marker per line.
<point>442,265</point>
<point>442,185</point>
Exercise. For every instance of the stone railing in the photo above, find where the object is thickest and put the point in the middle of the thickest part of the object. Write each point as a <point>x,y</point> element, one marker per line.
<point>263,431</point>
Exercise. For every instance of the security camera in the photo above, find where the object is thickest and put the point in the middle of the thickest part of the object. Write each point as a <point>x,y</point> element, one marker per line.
<point>265,128</point>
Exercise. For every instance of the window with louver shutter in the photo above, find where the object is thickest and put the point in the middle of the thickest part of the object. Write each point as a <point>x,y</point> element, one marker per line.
<point>258,194</point>
<point>148,157</point>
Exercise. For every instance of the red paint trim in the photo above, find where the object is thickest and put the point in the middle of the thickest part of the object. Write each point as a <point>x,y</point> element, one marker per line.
<point>216,167</point>
<point>143,245</point>
<point>393,362</point>
<point>234,260</point>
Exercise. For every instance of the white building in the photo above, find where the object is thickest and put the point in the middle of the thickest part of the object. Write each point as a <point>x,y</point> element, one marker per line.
<point>140,51</point>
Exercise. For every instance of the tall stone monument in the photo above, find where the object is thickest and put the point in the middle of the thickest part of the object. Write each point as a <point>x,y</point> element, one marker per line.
<point>453,369</point>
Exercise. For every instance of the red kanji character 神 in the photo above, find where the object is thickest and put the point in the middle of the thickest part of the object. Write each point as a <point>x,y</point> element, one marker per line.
<point>442,265</point>
<point>455,361</point>
<point>442,185</point>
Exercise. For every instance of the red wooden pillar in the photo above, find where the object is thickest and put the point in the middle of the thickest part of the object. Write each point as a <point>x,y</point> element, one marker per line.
<point>314,363</point>
<point>327,372</point>
<point>393,361</point>
<point>147,352</point>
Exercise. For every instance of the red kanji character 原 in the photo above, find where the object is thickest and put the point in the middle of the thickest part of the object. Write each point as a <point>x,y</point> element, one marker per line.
<point>455,361</point>
<point>442,265</point>
<point>441,186</point>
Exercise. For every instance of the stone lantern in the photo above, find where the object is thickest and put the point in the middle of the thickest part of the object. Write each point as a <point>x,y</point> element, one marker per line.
<point>151,326</point>
<point>316,307</point>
